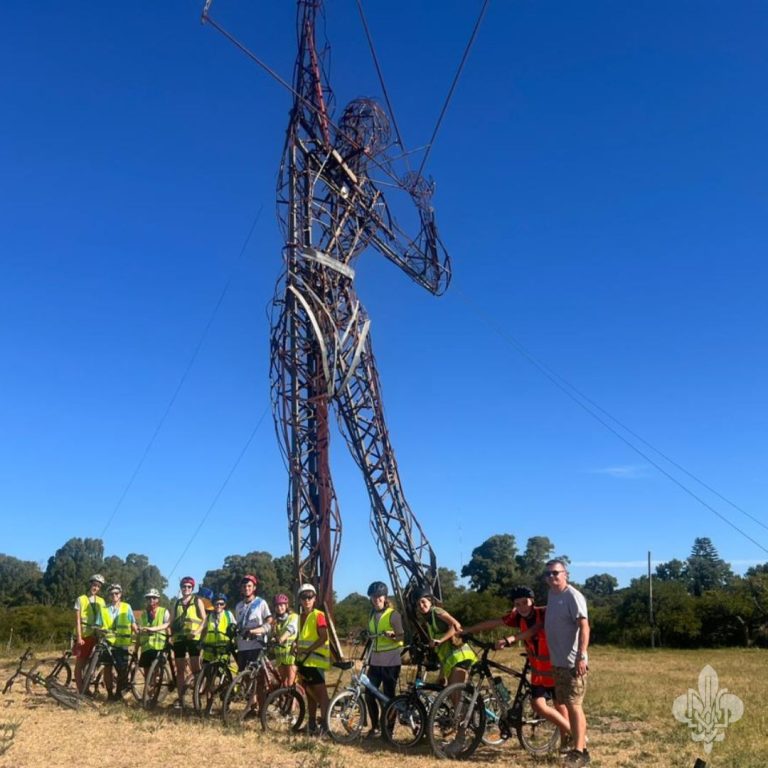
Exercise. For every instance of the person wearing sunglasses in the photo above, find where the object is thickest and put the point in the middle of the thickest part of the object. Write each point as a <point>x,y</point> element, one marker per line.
<point>567,626</point>
<point>188,614</point>
<point>313,657</point>
<point>254,621</point>
<point>119,625</point>
<point>153,630</point>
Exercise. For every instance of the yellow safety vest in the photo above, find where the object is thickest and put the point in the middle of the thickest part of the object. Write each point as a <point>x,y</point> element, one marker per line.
<point>186,620</point>
<point>215,638</point>
<point>90,614</point>
<point>153,641</point>
<point>319,657</point>
<point>384,624</point>
<point>118,630</point>
<point>448,654</point>
<point>284,652</point>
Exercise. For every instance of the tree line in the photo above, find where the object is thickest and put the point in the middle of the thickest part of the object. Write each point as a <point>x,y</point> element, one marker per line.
<point>697,601</point>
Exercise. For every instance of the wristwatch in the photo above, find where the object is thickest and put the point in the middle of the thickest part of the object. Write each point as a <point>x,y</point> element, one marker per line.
<point>582,656</point>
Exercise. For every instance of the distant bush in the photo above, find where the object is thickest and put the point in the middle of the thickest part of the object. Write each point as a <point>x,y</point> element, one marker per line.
<point>36,624</point>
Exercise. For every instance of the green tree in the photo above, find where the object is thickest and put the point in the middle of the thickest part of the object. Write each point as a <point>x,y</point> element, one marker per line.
<point>705,569</point>
<point>493,565</point>
<point>69,569</point>
<point>351,615</point>
<point>19,581</point>
<point>673,570</point>
<point>261,564</point>
<point>449,584</point>
<point>600,585</point>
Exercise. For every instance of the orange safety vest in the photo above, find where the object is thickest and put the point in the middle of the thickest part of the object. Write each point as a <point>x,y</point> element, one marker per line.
<point>537,648</point>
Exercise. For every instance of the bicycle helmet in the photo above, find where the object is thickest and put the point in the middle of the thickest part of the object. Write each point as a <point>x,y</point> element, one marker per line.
<point>115,588</point>
<point>377,589</point>
<point>519,592</point>
<point>219,597</point>
<point>423,592</point>
<point>187,580</point>
<point>307,588</point>
<point>250,577</point>
<point>282,599</point>
<point>98,578</point>
<point>152,593</point>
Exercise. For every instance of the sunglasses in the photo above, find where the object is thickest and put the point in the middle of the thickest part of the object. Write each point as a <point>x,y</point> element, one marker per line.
<point>306,597</point>
<point>550,574</point>
<point>220,603</point>
<point>115,592</point>
<point>187,586</point>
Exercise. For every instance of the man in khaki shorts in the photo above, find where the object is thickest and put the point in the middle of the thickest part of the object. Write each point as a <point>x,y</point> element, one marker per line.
<point>567,628</point>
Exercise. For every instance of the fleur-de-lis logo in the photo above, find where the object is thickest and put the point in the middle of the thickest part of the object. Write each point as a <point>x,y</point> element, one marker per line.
<point>708,711</point>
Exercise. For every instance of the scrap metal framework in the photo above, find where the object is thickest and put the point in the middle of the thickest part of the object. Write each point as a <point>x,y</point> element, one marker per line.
<point>331,209</point>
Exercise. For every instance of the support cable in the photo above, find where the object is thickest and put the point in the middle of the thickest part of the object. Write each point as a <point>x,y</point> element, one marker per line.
<point>183,378</point>
<point>218,494</point>
<point>476,29</point>
<point>582,401</point>
<point>381,79</point>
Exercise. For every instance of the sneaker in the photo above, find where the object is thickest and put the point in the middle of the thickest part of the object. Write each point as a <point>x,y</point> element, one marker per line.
<point>577,759</point>
<point>566,744</point>
<point>374,733</point>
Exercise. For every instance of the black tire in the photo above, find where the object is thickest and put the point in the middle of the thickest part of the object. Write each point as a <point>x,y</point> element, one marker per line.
<point>64,696</point>
<point>455,728</point>
<point>210,687</point>
<point>347,716</point>
<point>283,711</point>
<point>135,679</point>
<point>92,675</point>
<point>536,734</point>
<point>59,670</point>
<point>240,708</point>
<point>404,721</point>
<point>157,683</point>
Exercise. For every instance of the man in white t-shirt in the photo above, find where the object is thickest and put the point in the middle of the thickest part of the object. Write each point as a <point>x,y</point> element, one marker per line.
<point>254,621</point>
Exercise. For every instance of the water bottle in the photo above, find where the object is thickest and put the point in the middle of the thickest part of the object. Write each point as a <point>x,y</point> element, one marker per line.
<point>501,690</point>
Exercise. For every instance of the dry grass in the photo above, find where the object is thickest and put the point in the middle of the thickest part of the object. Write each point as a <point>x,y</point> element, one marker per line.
<point>628,706</point>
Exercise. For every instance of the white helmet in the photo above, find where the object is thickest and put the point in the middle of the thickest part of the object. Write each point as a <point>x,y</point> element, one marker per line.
<point>152,593</point>
<point>98,578</point>
<point>307,588</point>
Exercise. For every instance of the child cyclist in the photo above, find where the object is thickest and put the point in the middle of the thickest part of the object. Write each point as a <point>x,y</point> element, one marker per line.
<point>286,629</point>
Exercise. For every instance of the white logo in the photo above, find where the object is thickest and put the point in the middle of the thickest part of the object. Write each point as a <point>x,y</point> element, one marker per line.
<point>708,711</point>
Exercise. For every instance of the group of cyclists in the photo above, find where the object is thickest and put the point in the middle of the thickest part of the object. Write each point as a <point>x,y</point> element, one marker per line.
<point>299,641</point>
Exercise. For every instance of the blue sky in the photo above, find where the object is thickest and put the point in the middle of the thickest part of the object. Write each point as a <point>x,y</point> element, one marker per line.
<point>601,187</point>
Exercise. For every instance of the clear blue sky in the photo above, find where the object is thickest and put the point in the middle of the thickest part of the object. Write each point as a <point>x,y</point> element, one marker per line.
<point>601,187</point>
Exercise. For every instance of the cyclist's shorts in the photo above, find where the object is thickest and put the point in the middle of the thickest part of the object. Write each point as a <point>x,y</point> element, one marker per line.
<point>147,657</point>
<point>543,691</point>
<point>84,651</point>
<point>186,646</point>
<point>312,675</point>
<point>569,687</point>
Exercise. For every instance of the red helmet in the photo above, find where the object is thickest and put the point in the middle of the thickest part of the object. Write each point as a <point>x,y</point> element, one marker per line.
<point>187,580</point>
<point>250,577</point>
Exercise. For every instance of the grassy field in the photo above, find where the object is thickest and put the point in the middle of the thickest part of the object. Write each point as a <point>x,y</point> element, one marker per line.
<point>629,709</point>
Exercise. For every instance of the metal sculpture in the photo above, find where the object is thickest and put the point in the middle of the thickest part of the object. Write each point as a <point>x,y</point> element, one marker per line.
<point>331,209</point>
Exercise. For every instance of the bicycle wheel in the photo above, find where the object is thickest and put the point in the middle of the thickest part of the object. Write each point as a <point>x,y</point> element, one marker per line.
<point>536,734</point>
<point>157,683</point>
<point>210,687</point>
<point>240,708</point>
<point>59,670</point>
<point>404,721</point>
<point>495,711</point>
<point>64,696</point>
<point>456,721</point>
<point>92,675</point>
<point>135,680</point>
<point>283,711</point>
<point>346,717</point>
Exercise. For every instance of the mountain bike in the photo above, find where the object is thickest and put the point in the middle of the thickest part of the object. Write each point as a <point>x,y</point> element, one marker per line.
<point>102,656</point>
<point>241,700</point>
<point>404,719</point>
<point>61,672</point>
<point>63,695</point>
<point>160,679</point>
<point>212,683</point>
<point>482,708</point>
